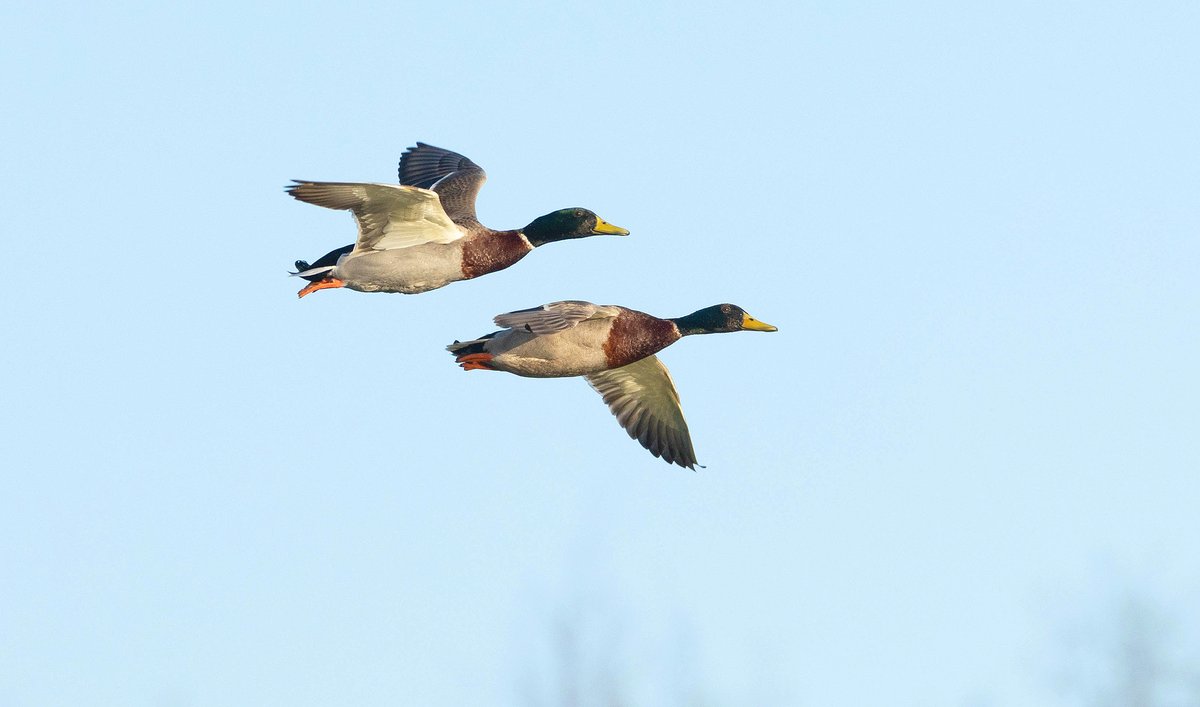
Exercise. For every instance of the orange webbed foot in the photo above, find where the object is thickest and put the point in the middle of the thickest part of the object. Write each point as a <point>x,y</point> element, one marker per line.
<point>475,362</point>
<point>320,285</point>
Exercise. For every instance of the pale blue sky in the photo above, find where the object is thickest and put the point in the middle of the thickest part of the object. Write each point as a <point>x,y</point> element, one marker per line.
<point>976,228</point>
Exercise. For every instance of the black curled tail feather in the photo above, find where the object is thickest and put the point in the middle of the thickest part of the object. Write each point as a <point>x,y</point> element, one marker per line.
<point>320,269</point>
<point>475,346</point>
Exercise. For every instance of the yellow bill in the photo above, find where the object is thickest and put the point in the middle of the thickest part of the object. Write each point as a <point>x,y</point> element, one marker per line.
<point>749,322</point>
<point>605,228</point>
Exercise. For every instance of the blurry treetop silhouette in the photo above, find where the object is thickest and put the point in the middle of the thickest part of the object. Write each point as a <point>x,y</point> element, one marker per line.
<point>1137,653</point>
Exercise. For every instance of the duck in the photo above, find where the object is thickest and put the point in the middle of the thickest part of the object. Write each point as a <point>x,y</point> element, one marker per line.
<point>422,234</point>
<point>614,349</point>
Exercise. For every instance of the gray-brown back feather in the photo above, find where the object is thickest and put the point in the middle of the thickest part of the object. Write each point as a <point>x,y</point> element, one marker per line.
<point>555,317</point>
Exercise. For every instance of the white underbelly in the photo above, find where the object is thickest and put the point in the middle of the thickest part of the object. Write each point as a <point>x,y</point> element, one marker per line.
<point>406,270</point>
<point>552,356</point>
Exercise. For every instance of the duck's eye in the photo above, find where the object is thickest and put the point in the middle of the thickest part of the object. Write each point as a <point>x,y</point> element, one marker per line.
<point>725,309</point>
<point>578,214</point>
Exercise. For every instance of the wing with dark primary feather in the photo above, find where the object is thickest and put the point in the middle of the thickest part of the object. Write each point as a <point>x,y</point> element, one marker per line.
<point>455,178</point>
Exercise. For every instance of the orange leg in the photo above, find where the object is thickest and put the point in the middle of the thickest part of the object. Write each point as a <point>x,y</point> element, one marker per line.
<point>475,362</point>
<point>320,285</point>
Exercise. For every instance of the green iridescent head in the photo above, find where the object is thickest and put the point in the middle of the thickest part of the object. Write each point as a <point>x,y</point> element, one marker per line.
<point>720,318</point>
<point>565,224</point>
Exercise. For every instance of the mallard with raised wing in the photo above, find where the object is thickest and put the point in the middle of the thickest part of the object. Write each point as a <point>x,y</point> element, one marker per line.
<point>613,347</point>
<point>422,233</point>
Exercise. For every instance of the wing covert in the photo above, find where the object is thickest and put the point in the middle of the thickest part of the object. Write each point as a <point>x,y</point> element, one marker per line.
<point>554,317</point>
<point>389,216</point>
<point>643,398</point>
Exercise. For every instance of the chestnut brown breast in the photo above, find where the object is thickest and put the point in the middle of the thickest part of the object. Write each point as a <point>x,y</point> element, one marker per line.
<point>635,335</point>
<point>489,252</point>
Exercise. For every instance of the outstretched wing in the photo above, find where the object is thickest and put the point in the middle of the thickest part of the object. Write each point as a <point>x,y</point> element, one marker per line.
<point>455,178</point>
<point>642,397</point>
<point>555,317</point>
<point>389,216</point>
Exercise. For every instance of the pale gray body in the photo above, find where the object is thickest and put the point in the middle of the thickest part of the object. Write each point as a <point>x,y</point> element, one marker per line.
<point>411,270</point>
<point>556,340</point>
<point>576,352</point>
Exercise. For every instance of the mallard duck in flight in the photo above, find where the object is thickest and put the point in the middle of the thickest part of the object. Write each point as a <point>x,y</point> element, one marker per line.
<point>422,234</point>
<point>613,348</point>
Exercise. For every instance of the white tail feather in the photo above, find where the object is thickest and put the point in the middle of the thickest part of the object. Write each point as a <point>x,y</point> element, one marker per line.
<point>312,271</point>
<point>460,345</point>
